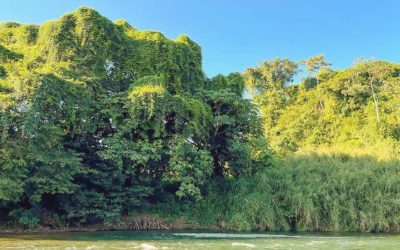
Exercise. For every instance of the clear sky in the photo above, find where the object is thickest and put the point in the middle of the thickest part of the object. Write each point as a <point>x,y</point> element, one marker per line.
<point>238,34</point>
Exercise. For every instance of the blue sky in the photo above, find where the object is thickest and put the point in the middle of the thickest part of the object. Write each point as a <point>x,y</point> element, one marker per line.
<point>238,34</point>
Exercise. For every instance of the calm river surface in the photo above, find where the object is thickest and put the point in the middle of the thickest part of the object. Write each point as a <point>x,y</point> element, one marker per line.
<point>197,240</point>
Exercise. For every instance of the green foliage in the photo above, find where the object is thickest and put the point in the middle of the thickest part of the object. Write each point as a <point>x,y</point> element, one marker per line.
<point>8,55</point>
<point>357,106</point>
<point>188,166</point>
<point>339,163</point>
<point>27,218</point>
<point>311,192</point>
<point>3,72</point>
<point>268,84</point>
<point>235,122</point>
<point>234,82</point>
<point>99,120</point>
<point>316,63</point>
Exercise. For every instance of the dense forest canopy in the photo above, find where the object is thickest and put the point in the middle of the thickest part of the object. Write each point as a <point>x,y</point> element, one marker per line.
<point>358,106</point>
<point>100,121</point>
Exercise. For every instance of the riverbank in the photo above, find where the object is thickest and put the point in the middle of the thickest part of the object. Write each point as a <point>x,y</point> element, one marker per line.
<point>309,192</point>
<point>135,223</point>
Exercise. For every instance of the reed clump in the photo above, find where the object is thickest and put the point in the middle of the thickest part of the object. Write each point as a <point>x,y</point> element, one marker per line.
<point>326,190</point>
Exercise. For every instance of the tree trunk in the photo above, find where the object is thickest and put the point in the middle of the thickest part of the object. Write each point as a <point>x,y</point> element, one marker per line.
<point>321,104</point>
<point>376,104</point>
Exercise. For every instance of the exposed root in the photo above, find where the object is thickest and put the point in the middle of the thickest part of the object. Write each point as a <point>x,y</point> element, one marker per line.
<point>146,223</point>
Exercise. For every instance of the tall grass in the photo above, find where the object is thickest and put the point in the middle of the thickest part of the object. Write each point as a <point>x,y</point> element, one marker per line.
<point>310,191</point>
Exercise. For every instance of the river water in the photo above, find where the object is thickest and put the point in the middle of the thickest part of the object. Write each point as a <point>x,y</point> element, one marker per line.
<point>197,240</point>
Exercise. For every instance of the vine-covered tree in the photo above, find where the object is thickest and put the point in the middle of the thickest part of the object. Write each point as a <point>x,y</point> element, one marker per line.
<point>99,120</point>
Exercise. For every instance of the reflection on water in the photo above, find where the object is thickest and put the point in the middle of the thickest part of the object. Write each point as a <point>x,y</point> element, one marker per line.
<point>197,240</point>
